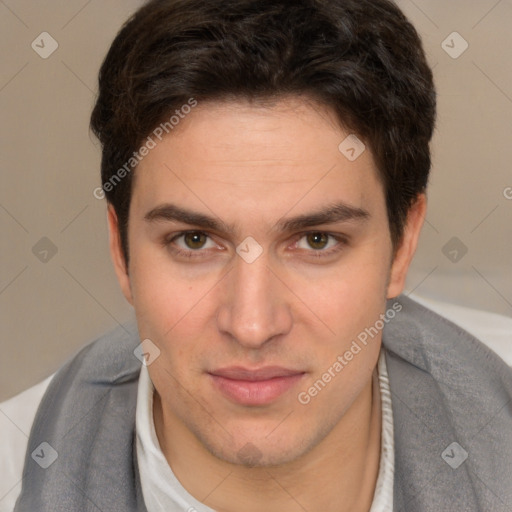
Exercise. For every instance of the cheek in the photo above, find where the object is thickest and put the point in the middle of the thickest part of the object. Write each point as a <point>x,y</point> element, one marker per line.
<point>166,305</point>
<point>160,298</point>
<point>175,309</point>
<point>348,294</point>
<point>351,305</point>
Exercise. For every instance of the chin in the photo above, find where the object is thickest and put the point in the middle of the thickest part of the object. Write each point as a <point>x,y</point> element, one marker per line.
<point>258,451</point>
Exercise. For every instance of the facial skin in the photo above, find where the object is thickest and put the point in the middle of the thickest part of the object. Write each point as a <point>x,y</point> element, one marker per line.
<point>249,167</point>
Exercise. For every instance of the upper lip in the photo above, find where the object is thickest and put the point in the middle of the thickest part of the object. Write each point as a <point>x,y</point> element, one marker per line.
<point>268,372</point>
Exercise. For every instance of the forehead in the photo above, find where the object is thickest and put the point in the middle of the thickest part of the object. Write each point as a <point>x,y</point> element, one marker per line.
<point>253,156</point>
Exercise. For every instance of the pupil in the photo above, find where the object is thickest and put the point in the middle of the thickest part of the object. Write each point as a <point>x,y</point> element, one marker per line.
<point>317,240</point>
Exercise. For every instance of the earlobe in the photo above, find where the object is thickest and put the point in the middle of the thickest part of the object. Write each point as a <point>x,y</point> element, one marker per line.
<point>116,253</point>
<point>405,253</point>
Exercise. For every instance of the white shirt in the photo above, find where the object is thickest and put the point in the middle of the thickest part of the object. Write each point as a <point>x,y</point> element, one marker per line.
<point>163,492</point>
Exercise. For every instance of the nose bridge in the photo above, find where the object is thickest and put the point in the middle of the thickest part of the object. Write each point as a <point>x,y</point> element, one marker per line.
<point>254,308</point>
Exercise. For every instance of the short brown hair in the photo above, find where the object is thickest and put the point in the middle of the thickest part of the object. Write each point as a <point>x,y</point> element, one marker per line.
<point>360,58</point>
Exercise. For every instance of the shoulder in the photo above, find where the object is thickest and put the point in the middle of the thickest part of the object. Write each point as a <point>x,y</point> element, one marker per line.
<point>494,330</point>
<point>107,359</point>
<point>450,362</point>
<point>449,337</point>
<point>450,391</point>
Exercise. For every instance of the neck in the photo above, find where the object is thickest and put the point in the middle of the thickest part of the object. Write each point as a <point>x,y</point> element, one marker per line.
<point>338,475</point>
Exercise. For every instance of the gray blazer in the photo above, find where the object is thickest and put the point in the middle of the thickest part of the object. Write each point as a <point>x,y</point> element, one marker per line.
<point>452,410</point>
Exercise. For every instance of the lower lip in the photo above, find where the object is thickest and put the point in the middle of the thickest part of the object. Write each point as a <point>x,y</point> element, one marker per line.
<point>260,392</point>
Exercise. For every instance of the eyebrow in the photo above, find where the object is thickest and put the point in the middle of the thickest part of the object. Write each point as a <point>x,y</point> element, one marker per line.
<point>339,212</point>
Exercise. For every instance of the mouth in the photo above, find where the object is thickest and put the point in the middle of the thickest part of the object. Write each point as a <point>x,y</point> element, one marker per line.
<point>254,387</point>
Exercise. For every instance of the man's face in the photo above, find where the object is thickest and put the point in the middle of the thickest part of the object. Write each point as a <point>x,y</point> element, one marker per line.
<point>298,305</point>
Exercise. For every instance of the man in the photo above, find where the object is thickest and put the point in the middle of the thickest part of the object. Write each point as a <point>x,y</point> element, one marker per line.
<point>265,166</point>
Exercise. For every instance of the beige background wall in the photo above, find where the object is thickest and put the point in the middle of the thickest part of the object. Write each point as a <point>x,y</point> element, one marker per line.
<point>62,294</point>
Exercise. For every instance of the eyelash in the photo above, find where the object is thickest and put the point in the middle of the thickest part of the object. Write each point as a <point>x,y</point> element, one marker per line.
<point>198,253</point>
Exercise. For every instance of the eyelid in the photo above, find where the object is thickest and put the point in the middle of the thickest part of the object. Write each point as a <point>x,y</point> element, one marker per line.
<point>184,233</point>
<point>330,237</point>
<point>342,242</point>
<point>169,241</point>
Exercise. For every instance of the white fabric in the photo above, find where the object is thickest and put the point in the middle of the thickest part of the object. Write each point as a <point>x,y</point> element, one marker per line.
<point>16,418</point>
<point>383,497</point>
<point>17,414</point>
<point>163,492</point>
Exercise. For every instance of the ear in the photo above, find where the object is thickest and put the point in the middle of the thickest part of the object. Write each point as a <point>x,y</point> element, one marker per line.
<point>407,248</point>
<point>116,253</point>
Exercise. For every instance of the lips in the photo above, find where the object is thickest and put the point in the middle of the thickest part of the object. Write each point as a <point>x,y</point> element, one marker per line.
<point>269,372</point>
<point>254,387</point>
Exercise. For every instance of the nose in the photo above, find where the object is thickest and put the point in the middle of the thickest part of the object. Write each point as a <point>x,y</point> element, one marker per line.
<point>254,307</point>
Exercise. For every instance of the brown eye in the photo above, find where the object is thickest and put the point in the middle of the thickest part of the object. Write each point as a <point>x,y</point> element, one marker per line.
<point>317,240</point>
<point>191,244</point>
<point>195,240</point>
